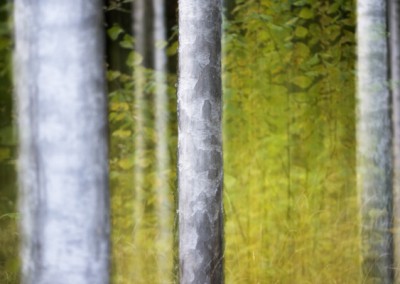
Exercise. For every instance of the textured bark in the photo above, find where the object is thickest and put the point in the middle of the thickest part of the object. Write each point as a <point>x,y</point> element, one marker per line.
<point>394,33</point>
<point>63,163</point>
<point>200,174</point>
<point>374,158</point>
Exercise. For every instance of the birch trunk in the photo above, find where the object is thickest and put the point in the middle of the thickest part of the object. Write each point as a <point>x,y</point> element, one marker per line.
<point>374,159</point>
<point>394,22</point>
<point>60,86</point>
<point>200,174</point>
<point>142,29</point>
<point>164,241</point>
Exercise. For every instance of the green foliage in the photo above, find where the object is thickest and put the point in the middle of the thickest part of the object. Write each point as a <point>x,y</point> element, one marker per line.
<point>9,263</point>
<point>139,240</point>
<point>290,195</point>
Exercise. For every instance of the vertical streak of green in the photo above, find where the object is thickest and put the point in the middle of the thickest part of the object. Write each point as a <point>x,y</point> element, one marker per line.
<point>300,52</point>
<point>9,263</point>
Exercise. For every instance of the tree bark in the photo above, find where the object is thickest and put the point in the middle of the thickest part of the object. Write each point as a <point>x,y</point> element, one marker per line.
<point>200,174</point>
<point>63,165</point>
<point>394,42</point>
<point>374,153</point>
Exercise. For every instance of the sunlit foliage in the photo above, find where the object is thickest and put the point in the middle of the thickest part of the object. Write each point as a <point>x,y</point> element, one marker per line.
<point>290,196</point>
<point>137,245</point>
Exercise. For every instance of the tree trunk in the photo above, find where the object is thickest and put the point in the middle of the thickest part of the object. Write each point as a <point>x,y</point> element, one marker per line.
<point>374,159</point>
<point>162,185</point>
<point>142,29</point>
<point>200,174</point>
<point>62,108</point>
<point>394,9</point>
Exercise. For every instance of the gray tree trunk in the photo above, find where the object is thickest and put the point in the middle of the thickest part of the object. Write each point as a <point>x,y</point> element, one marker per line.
<point>374,153</point>
<point>394,36</point>
<point>62,108</point>
<point>200,174</point>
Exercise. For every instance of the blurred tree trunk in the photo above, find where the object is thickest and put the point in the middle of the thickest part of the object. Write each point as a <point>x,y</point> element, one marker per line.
<point>144,123</point>
<point>62,108</point>
<point>162,184</point>
<point>200,174</point>
<point>374,159</point>
<point>394,31</point>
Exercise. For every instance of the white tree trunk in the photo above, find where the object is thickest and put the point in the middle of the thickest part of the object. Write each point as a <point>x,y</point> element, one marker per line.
<point>200,174</point>
<point>394,35</point>
<point>164,241</point>
<point>62,108</point>
<point>142,29</point>
<point>374,153</point>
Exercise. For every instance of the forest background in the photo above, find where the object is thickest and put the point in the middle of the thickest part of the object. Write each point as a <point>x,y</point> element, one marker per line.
<point>291,211</point>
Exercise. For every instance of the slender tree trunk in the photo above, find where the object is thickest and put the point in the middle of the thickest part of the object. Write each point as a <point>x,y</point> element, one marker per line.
<point>200,174</point>
<point>374,159</point>
<point>162,186</point>
<point>63,141</point>
<point>394,36</point>
<point>142,29</point>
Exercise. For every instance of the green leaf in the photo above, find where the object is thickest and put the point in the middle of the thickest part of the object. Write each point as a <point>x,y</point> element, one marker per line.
<point>112,75</point>
<point>334,8</point>
<point>122,133</point>
<point>306,13</point>
<point>127,42</point>
<point>275,27</point>
<point>291,22</point>
<point>161,44</point>
<point>173,49</point>
<point>302,81</point>
<point>134,58</point>
<point>301,32</point>
<point>126,164</point>
<point>114,31</point>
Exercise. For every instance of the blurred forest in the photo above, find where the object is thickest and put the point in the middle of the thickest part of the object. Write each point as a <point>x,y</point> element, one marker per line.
<point>9,267</point>
<point>290,199</point>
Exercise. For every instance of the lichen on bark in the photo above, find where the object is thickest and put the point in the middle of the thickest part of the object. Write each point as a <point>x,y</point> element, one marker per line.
<point>200,174</point>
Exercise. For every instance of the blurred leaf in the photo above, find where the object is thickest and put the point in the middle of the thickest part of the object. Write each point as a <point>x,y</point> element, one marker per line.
<point>306,13</point>
<point>5,153</point>
<point>301,31</point>
<point>172,49</point>
<point>127,42</point>
<point>114,31</point>
<point>302,81</point>
<point>126,164</point>
<point>122,133</point>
